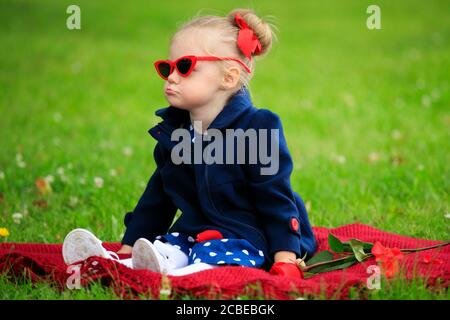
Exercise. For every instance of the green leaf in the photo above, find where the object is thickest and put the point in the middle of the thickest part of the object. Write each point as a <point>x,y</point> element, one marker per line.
<point>341,264</point>
<point>307,275</point>
<point>322,256</point>
<point>358,249</point>
<point>335,244</point>
<point>346,246</point>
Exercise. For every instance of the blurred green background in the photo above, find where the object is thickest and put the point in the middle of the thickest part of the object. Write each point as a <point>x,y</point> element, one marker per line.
<point>365,112</point>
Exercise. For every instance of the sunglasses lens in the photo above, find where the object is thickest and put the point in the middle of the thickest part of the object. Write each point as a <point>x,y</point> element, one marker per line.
<point>164,69</point>
<point>184,66</point>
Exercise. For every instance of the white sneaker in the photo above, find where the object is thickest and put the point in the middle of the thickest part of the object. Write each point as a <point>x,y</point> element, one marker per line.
<point>80,244</point>
<point>146,256</point>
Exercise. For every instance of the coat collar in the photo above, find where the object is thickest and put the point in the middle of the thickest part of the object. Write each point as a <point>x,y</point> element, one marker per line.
<point>235,107</point>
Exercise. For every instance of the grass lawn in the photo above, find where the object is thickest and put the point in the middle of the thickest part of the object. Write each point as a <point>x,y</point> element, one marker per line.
<point>365,112</point>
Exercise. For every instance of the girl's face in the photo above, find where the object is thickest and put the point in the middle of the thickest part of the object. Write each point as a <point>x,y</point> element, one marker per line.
<point>200,88</point>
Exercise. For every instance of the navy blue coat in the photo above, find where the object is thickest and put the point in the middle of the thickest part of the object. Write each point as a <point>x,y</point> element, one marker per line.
<point>234,199</point>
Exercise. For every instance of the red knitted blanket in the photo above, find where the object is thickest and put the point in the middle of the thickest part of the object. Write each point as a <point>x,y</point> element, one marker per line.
<point>43,262</point>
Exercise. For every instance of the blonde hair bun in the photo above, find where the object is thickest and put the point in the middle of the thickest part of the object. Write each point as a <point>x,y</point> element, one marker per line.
<point>262,29</point>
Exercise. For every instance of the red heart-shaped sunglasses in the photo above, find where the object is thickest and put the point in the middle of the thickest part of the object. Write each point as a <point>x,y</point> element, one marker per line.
<point>186,64</point>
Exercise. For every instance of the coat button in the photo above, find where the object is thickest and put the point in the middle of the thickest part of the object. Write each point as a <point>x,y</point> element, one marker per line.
<point>158,132</point>
<point>294,224</point>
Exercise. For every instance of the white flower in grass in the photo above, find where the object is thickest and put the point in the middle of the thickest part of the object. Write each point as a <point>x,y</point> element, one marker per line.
<point>82,181</point>
<point>73,201</point>
<point>60,171</point>
<point>435,94</point>
<point>373,157</point>
<point>339,158</point>
<point>2,175</point>
<point>21,164</point>
<point>19,161</point>
<point>420,83</point>
<point>127,151</point>
<point>426,101</point>
<point>57,117</point>
<point>98,182</point>
<point>57,141</point>
<point>447,216</point>
<point>17,217</point>
<point>397,135</point>
<point>113,172</point>
<point>49,179</point>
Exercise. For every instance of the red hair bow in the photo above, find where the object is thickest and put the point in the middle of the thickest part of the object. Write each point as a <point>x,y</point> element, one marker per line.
<point>247,41</point>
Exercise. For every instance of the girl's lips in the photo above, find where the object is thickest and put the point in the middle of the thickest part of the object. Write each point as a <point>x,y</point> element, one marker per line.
<point>170,91</point>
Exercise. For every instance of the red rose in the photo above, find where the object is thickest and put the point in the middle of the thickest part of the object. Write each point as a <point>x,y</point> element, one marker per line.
<point>388,257</point>
<point>289,269</point>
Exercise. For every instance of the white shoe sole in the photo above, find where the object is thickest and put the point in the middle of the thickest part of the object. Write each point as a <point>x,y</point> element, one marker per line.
<point>146,257</point>
<point>80,244</point>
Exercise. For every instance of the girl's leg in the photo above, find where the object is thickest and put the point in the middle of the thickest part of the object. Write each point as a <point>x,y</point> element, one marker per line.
<point>158,256</point>
<point>196,267</point>
<point>127,262</point>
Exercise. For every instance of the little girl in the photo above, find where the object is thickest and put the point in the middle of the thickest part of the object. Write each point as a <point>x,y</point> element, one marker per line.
<point>231,212</point>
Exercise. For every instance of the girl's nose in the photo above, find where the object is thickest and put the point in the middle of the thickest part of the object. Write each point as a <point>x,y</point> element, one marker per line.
<point>174,77</point>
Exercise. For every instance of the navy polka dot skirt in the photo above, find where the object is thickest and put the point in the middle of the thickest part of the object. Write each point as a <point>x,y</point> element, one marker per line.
<point>216,251</point>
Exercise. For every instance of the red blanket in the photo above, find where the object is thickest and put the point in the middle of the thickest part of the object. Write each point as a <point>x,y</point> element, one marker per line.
<point>43,262</point>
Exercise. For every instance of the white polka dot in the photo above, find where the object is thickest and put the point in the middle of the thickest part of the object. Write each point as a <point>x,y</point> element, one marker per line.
<point>252,262</point>
<point>178,247</point>
<point>245,251</point>
<point>175,234</point>
<point>224,240</point>
<point>193,257</point>
<point>158,237</point>
<point>261,253</point>
<point>190,239</point>
<point>228,253</point>
<point>197,260</point>
<point>213,254</point>
<point>221,262</point>
<point>190,251</point>
<point>236,259</point>
<point>207,244</point>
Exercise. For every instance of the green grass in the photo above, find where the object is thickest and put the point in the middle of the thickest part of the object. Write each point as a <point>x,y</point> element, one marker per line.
<point>71,102</point>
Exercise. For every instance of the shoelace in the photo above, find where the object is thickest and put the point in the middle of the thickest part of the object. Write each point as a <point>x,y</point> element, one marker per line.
<point>113,255</point>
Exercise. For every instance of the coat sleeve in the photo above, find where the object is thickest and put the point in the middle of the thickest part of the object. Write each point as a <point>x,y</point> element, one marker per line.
<point>154,211</point>
<point>272,194</point>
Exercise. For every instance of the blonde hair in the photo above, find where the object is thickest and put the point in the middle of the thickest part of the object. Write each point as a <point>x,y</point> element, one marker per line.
<point>228,30</point>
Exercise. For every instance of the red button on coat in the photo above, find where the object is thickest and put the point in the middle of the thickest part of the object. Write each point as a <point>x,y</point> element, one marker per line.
<point>294,224</point>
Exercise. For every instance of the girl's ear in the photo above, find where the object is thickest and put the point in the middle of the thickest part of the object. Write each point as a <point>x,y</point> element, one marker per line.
<point>231,78</point>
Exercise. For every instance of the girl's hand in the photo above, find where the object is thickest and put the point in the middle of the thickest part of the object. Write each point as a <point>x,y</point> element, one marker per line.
<point>286,265</point>
<point>125,249</point>
<point>285,256</point>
